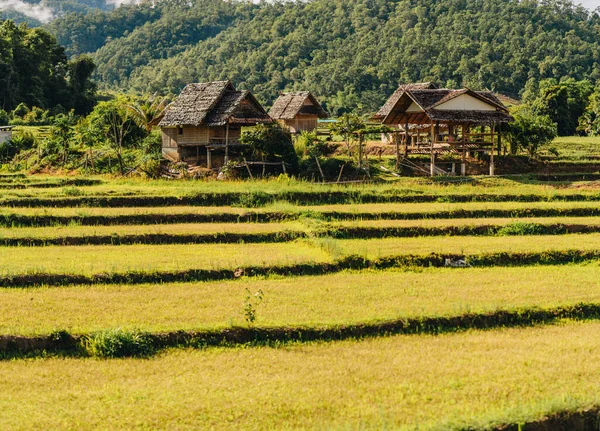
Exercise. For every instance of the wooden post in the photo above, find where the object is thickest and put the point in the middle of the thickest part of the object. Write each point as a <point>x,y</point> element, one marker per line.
<point>227,142</point>
<point>248,168</point>
<point>492,167</point>
<point>208,158</point>
<point>321,170</point>
<point>432,163</point>
<point>360,157</point>
<point>397,139</point>
<point>463,158</point>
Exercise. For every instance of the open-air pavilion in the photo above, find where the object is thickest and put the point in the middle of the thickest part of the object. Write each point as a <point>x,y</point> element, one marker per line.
<point>439,122</point>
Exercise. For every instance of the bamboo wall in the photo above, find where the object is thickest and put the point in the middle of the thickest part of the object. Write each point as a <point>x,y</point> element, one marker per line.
<point>301,123</point>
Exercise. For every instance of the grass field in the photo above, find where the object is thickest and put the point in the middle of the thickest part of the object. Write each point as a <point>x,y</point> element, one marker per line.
<point>345,298</point>
<point>475,379</point>
<point>452,376</point>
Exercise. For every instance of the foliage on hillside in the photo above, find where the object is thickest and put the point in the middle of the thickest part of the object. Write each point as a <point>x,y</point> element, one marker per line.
<point>351,52</point>
<point>34,71</point>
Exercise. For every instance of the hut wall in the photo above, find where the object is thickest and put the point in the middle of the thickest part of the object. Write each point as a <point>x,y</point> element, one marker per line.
<point>219,133</point>
<point>188,135</point>
<point>302,123</point>
<point>5,135</point>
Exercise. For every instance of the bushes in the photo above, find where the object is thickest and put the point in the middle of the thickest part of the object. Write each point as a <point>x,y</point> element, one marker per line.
<point>118,343</point>
<point>271,143</point>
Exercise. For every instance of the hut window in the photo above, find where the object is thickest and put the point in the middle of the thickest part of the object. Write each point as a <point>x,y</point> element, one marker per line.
<point>180,130</point>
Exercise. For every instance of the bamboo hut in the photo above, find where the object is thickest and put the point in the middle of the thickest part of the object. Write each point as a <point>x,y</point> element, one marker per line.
<point>204,123</point>
<point>5,133</point>
<point>299,111</point>
<point>437,122</point>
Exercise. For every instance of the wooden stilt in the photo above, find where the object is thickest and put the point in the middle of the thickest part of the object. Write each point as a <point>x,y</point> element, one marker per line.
<point>492,167</point>
<point>463,157</point>
<point>406,138</point>
<point>432,163</point>
<point>208,158</point>
<point>227,142</point>
<point>397,139</point>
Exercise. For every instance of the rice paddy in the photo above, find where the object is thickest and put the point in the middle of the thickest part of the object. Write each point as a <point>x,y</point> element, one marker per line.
<point>266,272</point>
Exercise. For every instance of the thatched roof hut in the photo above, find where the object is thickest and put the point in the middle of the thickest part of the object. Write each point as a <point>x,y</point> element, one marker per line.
<point>214,104</point>
<point>297,110</point>
<point>391,102</point>
<point>450,116</point>
<point>429,106</point>
<point>208,115</point>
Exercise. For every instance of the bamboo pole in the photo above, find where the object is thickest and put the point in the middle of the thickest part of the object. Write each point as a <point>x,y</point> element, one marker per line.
<point>397,139</point>
<point>492,167</point>
<point>432,163</point>
<point>463,158</point>
<point>227,142</point>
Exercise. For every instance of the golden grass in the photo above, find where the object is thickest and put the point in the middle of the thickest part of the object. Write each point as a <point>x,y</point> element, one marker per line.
<point>290,208</point>
<point>170,229</point>
<point>344,298</point>
<point>376,248</point>
<point>139,187</point>
<point>266,228</point>
<point>96,259</point>
<point>404,382</point>
<point>588,221</point>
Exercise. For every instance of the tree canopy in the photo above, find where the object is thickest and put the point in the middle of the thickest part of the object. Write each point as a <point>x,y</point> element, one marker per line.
<point>351,53</point>
<point>34,71</point>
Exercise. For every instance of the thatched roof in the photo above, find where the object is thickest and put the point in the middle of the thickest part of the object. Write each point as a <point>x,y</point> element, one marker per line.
<point>391,102</point>
<point>429,99</point>
<point>214,104</point>
<point>289,105</point>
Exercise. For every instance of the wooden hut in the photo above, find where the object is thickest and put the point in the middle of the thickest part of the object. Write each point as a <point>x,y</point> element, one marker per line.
<point>447,118</point>
<point>5,133</point>
<point>204,122</point>
<point>298,111</point>
<point>391,102</point>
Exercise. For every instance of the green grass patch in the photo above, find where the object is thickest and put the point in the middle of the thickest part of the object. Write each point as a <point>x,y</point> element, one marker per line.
<point>473,380</point>
<point>335,299</point>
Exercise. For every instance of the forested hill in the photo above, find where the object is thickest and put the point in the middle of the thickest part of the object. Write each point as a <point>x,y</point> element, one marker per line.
<point>353,53</point>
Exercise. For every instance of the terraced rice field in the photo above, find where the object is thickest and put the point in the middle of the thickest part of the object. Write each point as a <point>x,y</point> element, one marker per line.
<point>364,310</point>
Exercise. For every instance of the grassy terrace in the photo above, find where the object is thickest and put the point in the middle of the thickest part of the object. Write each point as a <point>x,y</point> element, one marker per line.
<point>174,229</point>
<point>89,260</point>
<point>276,232</point>
<point>476,379</point>
<point>376,248</point>
<point>89,216</point>
<point>344,298</point>
<point>96,259</point>
<point>498,187</point>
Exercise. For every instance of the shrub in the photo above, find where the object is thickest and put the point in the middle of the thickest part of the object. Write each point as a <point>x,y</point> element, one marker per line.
<point>271,143</point>
<point>521,228</point>
<point>118,343</point>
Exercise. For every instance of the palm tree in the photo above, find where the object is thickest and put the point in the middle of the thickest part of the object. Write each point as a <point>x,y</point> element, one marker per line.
<point>148,113</point>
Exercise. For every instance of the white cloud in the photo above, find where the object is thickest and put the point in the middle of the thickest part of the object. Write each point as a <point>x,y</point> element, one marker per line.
<point>122,2</point>
<point>590,4</point>
<point>37,11</point>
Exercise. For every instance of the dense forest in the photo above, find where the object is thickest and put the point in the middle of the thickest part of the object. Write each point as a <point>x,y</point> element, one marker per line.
<point>353,53</point>
<point>35,72</point>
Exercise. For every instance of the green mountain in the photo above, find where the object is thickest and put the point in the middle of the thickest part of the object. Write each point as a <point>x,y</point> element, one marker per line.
<point>352,53</point>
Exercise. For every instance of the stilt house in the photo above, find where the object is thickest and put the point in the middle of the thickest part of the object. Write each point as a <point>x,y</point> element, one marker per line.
<point>204,123</point>
<point>299,111</point>
<point>391,102</point>
<point>441,121</point>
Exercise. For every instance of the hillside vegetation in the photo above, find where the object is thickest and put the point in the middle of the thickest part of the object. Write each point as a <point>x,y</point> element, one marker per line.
<point>353,53</point>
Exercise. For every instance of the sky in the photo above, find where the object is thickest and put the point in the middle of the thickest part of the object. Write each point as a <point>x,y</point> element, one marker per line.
<point>590,4</point>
